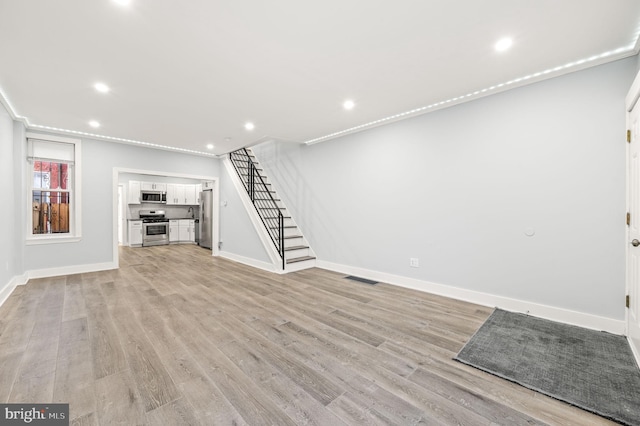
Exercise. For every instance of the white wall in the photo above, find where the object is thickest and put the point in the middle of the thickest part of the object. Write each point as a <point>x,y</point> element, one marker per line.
<point>458,188</point>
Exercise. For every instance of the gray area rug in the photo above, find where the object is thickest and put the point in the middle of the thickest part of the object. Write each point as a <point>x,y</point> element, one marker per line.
<point>593,370</point>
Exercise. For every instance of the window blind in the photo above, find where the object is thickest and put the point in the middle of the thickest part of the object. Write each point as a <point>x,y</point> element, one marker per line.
<point>39,150</point>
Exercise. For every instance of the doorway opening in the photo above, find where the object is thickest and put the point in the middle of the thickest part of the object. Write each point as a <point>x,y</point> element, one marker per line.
<point>121,210</point>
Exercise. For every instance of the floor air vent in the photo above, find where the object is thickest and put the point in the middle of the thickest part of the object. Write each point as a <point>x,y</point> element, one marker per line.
<point>361,280</point>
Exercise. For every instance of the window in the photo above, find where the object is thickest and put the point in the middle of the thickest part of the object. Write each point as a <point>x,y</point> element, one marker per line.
<point>53,188</point>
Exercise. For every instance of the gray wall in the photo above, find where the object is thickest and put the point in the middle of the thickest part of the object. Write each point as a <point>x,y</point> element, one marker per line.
<point>20,220</point>
<point>238,235</point>
<point>8,255</point>
<point>458,188</point>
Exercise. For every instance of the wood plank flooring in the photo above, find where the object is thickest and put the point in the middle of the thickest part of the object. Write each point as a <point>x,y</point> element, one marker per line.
<point>177,337</point>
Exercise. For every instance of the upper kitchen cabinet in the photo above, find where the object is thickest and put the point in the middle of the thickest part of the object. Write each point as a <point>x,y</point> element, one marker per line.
<point>133,196</point>
<point>175,193</point>
<point>152,186</point>
<point>190,195</point>
<point>181,194</point>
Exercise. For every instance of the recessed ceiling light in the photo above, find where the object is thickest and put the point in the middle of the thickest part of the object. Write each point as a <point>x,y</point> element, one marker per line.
<point>94,124</point>
<point>101,87</point>
<point>249,126</point>
<point>123,2</point>
<point>209,146</point>
<point>503,44</point>
<point>348,104</point>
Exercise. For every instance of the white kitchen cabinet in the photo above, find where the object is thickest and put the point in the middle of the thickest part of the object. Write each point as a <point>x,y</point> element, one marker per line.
<point>190,195</point>
<point>184,230</point>
<point>174,231</point>
<point>175,194</point>
<point>171,193</point>
<point>207,184</point>
<point>181,194</point>
<point>153,186</point>
<point>133,196</point>
<point>192,231</point>
<point>135,233</point>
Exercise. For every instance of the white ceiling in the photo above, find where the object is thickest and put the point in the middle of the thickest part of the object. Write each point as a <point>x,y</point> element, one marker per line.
<point>184,74</point>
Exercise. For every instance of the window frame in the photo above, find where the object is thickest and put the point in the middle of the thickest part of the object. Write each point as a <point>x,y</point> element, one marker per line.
<point>75,215</point>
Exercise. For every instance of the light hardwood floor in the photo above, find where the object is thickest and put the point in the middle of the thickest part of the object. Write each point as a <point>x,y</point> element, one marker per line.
<point>177,337</point>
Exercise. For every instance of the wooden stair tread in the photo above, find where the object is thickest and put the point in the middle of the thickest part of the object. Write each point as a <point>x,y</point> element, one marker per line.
<point>300,259</point>
<point>296,248</point>
<point>292,236</point>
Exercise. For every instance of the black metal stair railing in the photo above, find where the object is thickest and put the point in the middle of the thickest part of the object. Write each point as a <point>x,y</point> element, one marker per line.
<point>261,197</point>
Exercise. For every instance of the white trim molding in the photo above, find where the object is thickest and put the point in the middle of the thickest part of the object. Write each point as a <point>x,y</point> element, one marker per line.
<point>8,288</point>
<point>75,232</point>
<point>553,313</point>
<point>70,270</point>
<point>265,266</point>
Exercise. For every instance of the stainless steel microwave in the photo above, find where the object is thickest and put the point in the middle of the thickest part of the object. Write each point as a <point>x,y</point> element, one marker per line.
<point>153,196</point>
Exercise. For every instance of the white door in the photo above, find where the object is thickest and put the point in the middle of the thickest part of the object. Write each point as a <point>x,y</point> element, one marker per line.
<point>633,202</point>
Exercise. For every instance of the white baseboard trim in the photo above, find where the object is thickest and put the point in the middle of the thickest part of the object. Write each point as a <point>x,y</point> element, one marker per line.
<point>6,291</point>
<point>250,262</point>
<point>70,270</point>
<point>566,316</point>
<point>8,288</point>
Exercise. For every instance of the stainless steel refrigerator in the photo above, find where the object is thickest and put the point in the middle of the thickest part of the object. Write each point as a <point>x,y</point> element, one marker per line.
<point>206,218</point>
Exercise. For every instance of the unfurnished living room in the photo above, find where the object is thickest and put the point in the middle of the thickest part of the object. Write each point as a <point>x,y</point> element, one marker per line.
<point>330,213</point>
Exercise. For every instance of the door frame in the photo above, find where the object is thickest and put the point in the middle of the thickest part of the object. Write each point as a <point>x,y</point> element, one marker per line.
<point>631,101</point>
<point>215,251</point>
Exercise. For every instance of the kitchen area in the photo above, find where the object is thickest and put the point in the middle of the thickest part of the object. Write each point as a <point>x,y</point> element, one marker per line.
<point>158,210</point>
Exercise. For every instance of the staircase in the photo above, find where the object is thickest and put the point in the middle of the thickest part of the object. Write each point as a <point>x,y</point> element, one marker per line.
<point>292,247</point>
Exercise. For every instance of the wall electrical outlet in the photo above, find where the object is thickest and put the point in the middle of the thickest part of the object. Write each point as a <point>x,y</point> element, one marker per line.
<point>414,262</point>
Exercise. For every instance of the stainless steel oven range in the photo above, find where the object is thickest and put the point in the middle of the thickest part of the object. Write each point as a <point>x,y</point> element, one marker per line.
<point>155,228</point>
